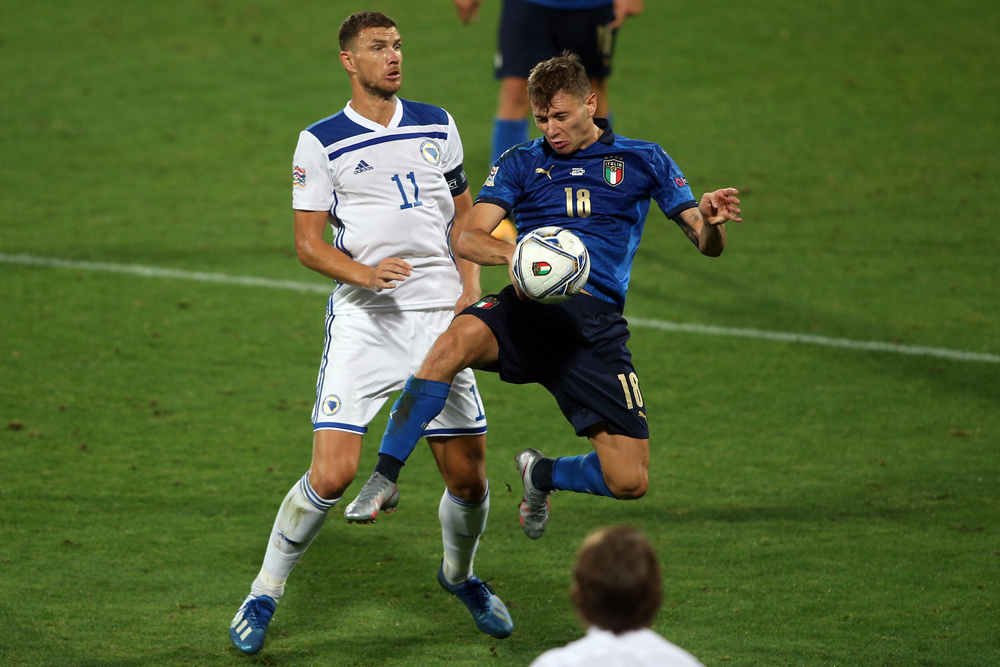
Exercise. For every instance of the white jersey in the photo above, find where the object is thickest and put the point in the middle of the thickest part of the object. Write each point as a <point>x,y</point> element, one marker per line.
<point>600,648</point>
<point>387,191</point>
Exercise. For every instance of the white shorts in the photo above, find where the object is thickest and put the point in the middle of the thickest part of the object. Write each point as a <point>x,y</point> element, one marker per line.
<point>367,356</point>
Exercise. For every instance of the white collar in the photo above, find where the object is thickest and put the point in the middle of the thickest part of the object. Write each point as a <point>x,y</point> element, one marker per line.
<point>397,115</point>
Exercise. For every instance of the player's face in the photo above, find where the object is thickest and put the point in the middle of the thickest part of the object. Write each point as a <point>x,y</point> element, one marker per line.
<point>568,123</point>
<point>376,58</point>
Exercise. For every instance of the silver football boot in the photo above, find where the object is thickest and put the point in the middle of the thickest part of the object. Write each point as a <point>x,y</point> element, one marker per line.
<point>378,493</point>
<point>534,508</point>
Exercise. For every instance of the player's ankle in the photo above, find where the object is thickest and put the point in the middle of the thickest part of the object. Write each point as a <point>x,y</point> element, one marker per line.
<point>541,475</point>
<point>388,466</point>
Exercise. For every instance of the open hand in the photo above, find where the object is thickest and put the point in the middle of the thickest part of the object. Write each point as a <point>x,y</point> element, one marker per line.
<point>468,10</point>
<point>720,206</point>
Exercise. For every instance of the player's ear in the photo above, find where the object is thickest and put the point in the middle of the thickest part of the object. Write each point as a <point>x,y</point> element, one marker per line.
<point>591,103</point>
<point>347,61</point>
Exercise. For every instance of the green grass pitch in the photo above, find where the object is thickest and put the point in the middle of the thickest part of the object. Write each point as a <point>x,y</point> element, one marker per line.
<point>811,505</point>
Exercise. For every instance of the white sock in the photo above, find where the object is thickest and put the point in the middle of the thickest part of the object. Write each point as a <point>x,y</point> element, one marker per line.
<point>461,525</point>
<point>299,520</point>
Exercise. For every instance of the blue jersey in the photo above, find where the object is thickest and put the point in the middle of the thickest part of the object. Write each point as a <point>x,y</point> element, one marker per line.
<point>602,193</point>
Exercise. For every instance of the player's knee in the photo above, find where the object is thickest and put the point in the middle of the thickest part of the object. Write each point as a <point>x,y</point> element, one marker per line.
<point>629,487</point>
<point>469,488</point>
<point>330,483</point>
<point>443,356</point>
<point>454,351</point>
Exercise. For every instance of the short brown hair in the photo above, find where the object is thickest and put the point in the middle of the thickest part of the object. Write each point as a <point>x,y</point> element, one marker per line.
<point>616,580</point>
<point>562,74</point>
<point>354,24</point>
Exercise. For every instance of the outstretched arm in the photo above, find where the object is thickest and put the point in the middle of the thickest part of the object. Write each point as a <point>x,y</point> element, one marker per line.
<point>705,225</point>
<point>318,255</point>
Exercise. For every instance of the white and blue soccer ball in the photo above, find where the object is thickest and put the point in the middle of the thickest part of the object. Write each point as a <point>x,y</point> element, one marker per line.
<point>551,264</point>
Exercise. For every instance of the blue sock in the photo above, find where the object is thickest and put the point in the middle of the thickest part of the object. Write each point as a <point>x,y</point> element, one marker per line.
<point>420,402</point>
<point>582,474</point>
<point>507,133</point>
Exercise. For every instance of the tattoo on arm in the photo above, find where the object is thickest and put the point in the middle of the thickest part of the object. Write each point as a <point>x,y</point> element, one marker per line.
<point>686,221</point>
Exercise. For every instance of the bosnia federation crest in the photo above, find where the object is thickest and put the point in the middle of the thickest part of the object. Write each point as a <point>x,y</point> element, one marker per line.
<point>614,171</point>
<point>430,151</point>
<point>331,405</point>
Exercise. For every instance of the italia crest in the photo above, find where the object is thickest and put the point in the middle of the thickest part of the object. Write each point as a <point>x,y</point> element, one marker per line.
<point>541,268</point>
<point>614,171</point>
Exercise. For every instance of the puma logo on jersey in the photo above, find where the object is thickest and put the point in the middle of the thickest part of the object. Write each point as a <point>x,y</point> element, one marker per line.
<point>547,172</point>
<point>363,167</point>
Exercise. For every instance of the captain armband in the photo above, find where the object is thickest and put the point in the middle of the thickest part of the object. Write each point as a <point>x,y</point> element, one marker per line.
<point>457,181</point>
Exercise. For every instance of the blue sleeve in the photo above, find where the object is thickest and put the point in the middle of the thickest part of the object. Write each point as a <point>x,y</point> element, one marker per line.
<point>504,186</point>
<point>672,193</point>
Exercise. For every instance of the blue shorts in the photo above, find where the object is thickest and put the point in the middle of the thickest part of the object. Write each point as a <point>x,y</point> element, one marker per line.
<point>531,33</point>
<point>576,350</point>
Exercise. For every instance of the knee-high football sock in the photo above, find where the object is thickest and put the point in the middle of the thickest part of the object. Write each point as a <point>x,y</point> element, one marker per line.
<point>507,133</point>
<point>299,520</point>
<point>417,406</point>
<point>582,474</point>
<point>461,525</point>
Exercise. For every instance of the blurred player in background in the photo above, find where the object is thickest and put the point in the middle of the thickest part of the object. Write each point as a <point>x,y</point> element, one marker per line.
<point>387,174</point>
<point>535,30</point>
<point>582,177</point>
<point>616,592</point>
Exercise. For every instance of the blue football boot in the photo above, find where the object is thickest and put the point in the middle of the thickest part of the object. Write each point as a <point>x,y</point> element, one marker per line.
<point>250,625</point>
<point>488,611</point>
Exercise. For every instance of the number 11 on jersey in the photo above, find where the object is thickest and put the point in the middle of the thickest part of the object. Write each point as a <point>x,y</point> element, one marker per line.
<point>402,193</point>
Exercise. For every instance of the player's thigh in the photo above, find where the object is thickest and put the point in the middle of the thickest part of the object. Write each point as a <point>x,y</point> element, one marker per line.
<point>624,461</point>
<point>335,459</point>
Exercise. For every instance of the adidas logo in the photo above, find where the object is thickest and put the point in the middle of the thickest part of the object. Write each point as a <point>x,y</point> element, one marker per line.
<point>363,167</point>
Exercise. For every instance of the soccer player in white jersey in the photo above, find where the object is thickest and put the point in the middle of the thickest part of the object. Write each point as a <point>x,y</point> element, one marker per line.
<point>387,174</point>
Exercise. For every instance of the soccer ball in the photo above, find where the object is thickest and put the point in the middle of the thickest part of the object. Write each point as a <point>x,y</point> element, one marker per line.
<point>551,264</point>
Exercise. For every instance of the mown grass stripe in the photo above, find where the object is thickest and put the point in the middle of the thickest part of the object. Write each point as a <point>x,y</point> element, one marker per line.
<point>641,322</point>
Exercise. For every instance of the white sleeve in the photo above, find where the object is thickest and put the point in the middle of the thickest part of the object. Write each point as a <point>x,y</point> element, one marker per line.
<point>312,187</point>
<point>453,155</point>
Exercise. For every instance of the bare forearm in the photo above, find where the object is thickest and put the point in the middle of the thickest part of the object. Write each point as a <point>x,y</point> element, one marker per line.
<point>326,260</point>
<point>712,239</point>
<point>482,248</point>
<point>469,272</point>
<point>708,238</point>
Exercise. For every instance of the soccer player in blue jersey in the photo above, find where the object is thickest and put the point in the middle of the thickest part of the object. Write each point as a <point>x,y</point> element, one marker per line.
<point>582,177</point>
